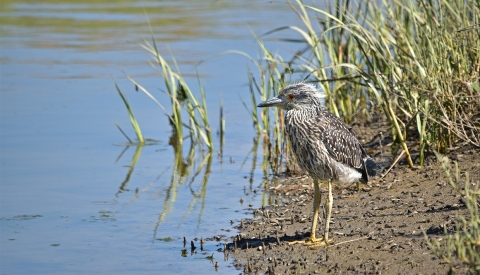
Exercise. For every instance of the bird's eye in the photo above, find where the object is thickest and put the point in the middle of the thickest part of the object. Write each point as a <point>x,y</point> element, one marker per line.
<point>291,97</point>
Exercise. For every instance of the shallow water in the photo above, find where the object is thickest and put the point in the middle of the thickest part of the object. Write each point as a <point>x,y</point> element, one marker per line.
<point>67,204</point>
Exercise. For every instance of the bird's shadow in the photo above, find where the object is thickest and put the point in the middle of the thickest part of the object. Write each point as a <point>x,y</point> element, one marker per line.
<point>241,241</point>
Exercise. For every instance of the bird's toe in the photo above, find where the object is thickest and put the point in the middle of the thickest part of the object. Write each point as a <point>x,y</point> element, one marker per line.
<point>313,242</point>
<point>321,243</point>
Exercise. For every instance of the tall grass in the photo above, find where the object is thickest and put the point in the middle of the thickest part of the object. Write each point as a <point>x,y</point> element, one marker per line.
<point>181,96</point>
<point>182,99</point>
<point>416,61</point>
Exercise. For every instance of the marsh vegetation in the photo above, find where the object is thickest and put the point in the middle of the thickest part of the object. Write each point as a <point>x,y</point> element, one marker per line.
<point>415,63</point>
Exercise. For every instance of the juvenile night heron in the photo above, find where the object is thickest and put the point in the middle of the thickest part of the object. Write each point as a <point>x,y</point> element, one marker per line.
<point>324,145</point>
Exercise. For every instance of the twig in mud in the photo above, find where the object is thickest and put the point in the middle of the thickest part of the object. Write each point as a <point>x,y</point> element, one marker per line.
<point>394,163</point>
<point>349,241</point>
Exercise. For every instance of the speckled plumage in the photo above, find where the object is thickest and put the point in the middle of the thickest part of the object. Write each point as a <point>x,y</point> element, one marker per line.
<point>324,145</point>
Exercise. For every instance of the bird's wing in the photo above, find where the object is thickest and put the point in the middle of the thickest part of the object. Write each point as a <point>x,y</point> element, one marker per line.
<point>340,141</point>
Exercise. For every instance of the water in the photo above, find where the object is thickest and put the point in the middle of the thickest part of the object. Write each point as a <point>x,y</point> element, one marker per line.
<point>66,204</point>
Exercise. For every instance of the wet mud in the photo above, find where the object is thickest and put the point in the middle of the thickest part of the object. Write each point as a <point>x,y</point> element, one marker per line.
<point>377,228</point>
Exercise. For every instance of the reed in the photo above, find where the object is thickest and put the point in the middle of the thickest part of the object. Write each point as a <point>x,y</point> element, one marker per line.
<point>411,57</point>
<point>136,127</point>
<point>416,61</point>
<point>221,131</point>
<point>182,99</point>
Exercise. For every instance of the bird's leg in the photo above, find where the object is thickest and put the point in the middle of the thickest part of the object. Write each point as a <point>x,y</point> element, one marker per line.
<point>317,199</point>
<point>329,205</point>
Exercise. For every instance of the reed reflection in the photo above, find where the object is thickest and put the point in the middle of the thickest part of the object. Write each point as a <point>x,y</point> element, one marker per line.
<point>185,171</point>
<point>131,167</point>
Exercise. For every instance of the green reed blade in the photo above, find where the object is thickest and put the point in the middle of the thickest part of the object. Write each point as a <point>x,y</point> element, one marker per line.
<point>135,125</point>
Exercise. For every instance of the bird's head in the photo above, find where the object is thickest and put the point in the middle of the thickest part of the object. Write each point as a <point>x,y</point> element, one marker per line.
<point>295,96</point>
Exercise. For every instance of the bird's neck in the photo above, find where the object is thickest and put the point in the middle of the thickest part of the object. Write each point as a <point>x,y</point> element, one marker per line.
<point>299,116</point>
<point>304,111</point>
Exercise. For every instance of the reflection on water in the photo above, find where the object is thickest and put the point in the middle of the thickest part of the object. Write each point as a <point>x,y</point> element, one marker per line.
<point>182,174</point>
<point>136,156</point>
<point>185,171</point>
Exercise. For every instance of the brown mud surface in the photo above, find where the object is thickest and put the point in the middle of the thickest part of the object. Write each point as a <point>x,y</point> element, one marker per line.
<point>378,229</point>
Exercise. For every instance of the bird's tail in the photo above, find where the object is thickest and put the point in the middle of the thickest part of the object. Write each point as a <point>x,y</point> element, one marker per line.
<point>369,168</point>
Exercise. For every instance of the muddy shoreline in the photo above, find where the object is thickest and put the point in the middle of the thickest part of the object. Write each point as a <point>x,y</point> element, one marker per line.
<point>378,228</point>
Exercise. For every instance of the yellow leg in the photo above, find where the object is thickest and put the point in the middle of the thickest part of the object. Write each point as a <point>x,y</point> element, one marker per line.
<point>317,199</point>
<point>329,205</point>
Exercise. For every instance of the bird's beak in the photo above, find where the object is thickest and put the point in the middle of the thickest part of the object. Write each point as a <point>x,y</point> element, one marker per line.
<point>274,101</point>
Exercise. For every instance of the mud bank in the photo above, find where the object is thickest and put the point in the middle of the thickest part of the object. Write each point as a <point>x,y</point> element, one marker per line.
<point>378,229</point>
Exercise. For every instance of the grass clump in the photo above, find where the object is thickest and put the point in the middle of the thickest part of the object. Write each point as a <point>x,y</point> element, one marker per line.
<point>182,100</point>
<point>416,61</point>
<point>464,244</point>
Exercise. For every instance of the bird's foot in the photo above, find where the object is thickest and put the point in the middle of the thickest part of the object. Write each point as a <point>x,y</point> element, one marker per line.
<point>314,242</point>
<point>323,242</point>
<point>308,241</point>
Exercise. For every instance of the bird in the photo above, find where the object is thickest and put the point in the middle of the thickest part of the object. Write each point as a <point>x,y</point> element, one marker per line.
<point>324,146</point>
